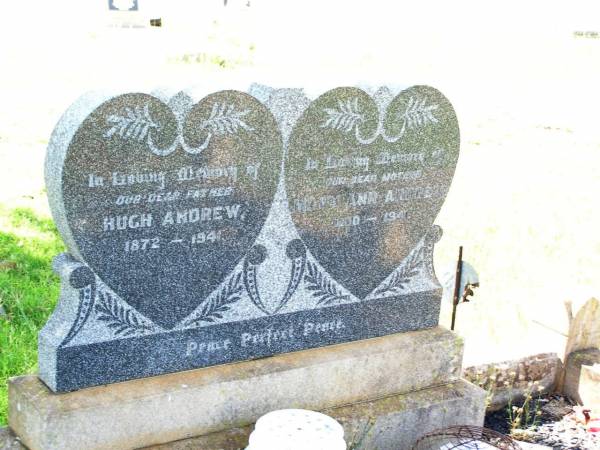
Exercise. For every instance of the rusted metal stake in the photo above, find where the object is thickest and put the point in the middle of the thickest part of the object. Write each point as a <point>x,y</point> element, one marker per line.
<point>456,287</point>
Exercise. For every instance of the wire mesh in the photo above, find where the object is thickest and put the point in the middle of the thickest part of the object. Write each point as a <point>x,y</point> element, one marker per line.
<point>465,437</point>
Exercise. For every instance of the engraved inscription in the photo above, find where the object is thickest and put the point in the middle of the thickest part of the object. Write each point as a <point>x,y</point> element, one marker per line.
<point>174,201</point>
<point>268,337</point>
<point>365,181</point>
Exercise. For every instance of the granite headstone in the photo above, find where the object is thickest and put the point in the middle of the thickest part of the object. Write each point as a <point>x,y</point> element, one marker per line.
<point>203,231</point>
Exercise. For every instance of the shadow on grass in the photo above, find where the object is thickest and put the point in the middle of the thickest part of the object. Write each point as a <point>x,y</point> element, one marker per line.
<point>28,291</point>
<point>27,217</point>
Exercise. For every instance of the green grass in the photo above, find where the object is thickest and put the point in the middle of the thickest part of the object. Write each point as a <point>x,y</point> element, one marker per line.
<point>28,290</point>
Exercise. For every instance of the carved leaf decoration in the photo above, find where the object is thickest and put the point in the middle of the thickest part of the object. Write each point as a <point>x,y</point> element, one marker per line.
<point>349,117</point>
<point>218,304</point>
<point>401,277</point>
<point>322,287</point>
<point>133,124</point>
<point>417,114</point>
<point>123,321</point>
<point>86,303</point>
<point>345,118</point>
<point>224,119</point>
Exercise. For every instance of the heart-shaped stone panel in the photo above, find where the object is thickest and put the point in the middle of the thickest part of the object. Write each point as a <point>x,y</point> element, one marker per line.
<point>160,206</point>
<point>366,180</point>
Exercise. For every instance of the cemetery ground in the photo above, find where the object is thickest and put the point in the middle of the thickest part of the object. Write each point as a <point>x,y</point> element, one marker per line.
<point>523,202</point>
<point>503,317</point>
<point>28,289</point>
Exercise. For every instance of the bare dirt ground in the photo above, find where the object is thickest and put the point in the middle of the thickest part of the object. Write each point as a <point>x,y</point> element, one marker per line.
<point>560,425</point>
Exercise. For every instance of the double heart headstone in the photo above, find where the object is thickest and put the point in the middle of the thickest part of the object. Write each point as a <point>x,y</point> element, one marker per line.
<point>205,231</point>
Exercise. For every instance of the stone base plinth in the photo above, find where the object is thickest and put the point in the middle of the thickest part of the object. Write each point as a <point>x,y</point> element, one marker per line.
<point>178,406</point>
<point>8,440</point>
<point>391,423</point>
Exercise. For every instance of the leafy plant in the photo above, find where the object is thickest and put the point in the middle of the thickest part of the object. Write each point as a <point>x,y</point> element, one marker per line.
<point>487,382</point>
<point>528,414</point>
<point>322,287</point>
<point>122,320</point>
<point>214,307</point>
